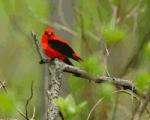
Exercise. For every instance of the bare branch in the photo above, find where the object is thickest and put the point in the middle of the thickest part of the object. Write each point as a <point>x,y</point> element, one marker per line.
<point>52,23</point>
<point>33,115</point>
<point>93,108</point>
<point>28,101</point>
<point>142,106</point>
<point>22,114</point>
<point>82,28</point>
<point>37,45</point>
<point>126,84</point>
<point>61,13</point>
<point>2,85</point>
<point>26,115</point>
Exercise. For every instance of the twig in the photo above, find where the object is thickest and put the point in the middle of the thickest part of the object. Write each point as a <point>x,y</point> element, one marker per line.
<point>61,13</point>
<point>52,23</point>
<point>136,52</point>
<point>114,12</point>
<point>130,93</point>
<point>37,45</point>
<point>115,107</point>
<point>28,101</point>
<point>133,10</point>
<point>142,106</point>
<point>126,84</point>
<point>134,96</point>
<point>22,114</point>
<point>98,102</point>
<point>33,115</point>
<point>63,27</point>
<point>2,85</point>
<point>82,28</point>
<point>93,108</point>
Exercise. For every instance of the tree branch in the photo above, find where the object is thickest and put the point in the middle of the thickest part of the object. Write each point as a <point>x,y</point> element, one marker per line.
<point>56,69</point>
<point>34,36</point>
<point>54,85</point>
<point>126,84</point>
<point>2,85</point>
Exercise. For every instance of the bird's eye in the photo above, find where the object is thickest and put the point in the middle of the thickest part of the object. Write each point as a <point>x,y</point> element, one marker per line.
<point>47,33</point>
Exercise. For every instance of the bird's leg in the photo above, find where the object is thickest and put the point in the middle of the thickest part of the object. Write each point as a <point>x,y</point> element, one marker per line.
<point>42,61</point>
<point>52,59</point>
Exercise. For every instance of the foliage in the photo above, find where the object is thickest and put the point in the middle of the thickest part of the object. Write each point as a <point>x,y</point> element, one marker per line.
<point>68,107</point>
<point>120,25</point>
<point>112,34</point>
<point>142,81</point>
<point>106,91</point>
<point>7,106</point>
<point>147,50</point>
<point>92,65</point>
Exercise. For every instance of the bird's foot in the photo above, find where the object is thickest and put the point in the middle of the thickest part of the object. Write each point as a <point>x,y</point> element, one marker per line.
<point>52,59</point>
<point>43,61</point>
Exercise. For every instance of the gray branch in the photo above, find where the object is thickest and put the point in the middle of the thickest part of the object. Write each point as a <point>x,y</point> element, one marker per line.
<point>126,84</point>
<point>55,69</point>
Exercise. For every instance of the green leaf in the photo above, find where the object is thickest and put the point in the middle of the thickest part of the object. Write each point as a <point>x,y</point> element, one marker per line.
<point>147,50</point>
<point>81,105</point>
<point>68,106</point>
<point>92,65</point>
<point>142,81</point>
<point>7,106</point>
<point>106,91</point>
<point>71,105</point>
<point>112,34</point>
<point>61,104</point>
<point>76,84</point>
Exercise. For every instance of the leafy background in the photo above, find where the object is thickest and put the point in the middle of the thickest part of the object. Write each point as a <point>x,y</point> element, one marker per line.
<point>112,36</point>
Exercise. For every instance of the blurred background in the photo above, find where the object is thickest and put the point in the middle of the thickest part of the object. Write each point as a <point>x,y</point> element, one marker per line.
<point>111,36</point>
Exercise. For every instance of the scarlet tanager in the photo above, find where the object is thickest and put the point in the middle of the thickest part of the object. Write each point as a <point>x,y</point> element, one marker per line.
<point>56,47</point>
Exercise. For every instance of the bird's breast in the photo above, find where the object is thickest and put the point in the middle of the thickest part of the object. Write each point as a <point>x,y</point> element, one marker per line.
<point>54,54</point>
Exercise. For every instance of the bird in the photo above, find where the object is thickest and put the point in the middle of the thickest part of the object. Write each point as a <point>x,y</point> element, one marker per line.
<point>56,47</point>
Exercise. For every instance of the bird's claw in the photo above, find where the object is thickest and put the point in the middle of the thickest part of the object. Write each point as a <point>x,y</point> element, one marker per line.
<point>42,61</point>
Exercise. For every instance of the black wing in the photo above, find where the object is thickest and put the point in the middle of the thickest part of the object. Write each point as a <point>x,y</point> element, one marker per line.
<point>61,47</point>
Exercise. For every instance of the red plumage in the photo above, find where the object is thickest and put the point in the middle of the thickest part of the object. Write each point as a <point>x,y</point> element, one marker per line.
<point>56,47</point>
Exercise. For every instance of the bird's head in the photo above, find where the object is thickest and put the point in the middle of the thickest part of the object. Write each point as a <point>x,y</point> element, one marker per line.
<point>48,33</point>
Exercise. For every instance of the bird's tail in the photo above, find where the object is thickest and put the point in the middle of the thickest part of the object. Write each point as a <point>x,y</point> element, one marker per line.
<point>76,57</point>
<point>67,61</point>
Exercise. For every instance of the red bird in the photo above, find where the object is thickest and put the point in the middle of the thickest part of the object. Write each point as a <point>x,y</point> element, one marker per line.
<point>56,47</point>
